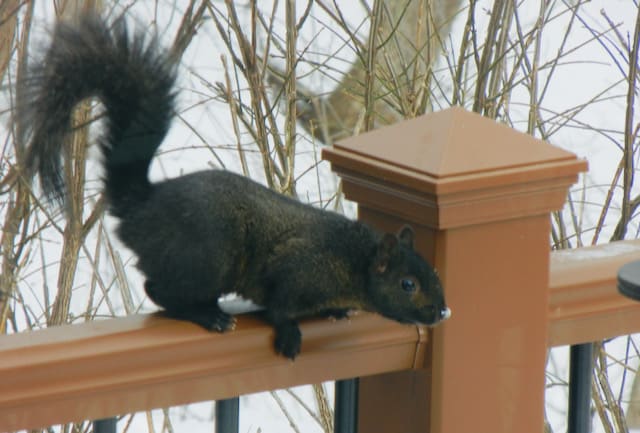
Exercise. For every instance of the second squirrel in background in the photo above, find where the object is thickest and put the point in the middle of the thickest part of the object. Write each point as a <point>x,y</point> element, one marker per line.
<point>209,233</point>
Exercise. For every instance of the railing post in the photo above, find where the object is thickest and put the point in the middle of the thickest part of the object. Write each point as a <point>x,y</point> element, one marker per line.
<point>228,415</point>
<point>478,195</point>
<point>346,406</point>
<point>580,371</point>
<point>105,425</point>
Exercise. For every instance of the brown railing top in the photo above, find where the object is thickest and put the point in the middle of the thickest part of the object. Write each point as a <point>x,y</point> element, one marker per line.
<point>584,303</point>
<point>103,368</point>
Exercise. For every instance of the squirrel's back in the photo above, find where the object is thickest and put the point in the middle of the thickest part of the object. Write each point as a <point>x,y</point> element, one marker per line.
<point>234,220</point>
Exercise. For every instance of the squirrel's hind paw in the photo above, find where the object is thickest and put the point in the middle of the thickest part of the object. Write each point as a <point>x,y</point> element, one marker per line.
<point>221,322</point>
<point>288,340</point>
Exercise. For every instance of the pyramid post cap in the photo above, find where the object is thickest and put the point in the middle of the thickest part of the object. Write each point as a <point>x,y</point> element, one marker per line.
<point>450,143</point>
<point>454,168</point>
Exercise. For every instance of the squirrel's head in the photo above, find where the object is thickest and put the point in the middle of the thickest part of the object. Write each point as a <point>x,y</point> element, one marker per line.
<point>403,286</point>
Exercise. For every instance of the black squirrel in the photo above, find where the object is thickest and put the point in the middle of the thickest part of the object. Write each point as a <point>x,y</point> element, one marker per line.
<point>212,232</point>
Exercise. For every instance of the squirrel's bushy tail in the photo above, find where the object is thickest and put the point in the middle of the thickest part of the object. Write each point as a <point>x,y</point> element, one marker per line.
<point>134,81</point>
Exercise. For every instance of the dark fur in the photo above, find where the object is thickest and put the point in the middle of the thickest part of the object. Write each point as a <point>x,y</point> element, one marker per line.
<point>212,232</point>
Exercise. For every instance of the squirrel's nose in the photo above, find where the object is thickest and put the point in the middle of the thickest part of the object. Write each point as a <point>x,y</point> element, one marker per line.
<point>445,313</point>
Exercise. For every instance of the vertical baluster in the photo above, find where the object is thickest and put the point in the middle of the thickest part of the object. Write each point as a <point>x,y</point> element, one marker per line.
<point>106,425</point>
<point>346,406</point>
<point>228,415</point>
<point>581,366</point>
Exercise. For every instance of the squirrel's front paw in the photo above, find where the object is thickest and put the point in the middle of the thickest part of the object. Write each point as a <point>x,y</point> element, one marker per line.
<point>288,340</point>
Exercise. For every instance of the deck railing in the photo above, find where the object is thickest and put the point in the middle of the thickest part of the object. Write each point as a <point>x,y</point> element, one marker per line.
<point>478,196</point>
<point>101,369</point>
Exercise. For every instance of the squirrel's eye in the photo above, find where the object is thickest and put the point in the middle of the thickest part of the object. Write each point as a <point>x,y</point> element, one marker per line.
<point>408,285</point>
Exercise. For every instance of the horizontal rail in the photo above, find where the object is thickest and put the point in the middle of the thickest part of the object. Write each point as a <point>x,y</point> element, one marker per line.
<point>584,303</point>
<point>103,368</point>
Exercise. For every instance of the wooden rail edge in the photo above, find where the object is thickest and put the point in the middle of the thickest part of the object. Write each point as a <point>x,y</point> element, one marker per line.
<point>584,303</point>
<point>103,368</point>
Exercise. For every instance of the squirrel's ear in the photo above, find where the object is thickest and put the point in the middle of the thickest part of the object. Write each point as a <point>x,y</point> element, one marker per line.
<point>406,235</point>
<point>386,245</point>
